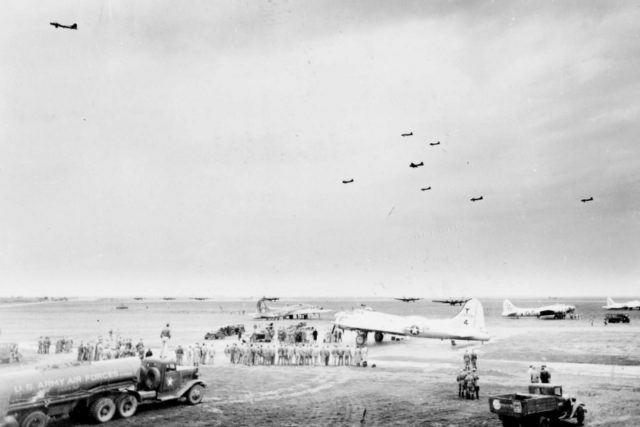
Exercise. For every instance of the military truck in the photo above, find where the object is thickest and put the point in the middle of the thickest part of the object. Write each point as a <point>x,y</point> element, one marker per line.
<point>100,390</point>
<point>540,407</point>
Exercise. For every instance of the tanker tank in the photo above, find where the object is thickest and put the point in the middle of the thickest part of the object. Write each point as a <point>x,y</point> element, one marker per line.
<point>30,385</point>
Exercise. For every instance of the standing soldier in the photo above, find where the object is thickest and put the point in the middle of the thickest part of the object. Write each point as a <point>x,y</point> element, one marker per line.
<point>140,349</point>
<point>545,376</point>
<point>460,378</point>
<point>179,355</point>
<point>40,346</point>
<point>47,344</point>
<point>474,359</point>
<point>165,336</point>
<point>467,360</point>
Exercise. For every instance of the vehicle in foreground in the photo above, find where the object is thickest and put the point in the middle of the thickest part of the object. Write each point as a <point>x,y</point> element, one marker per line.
<point>616,318</point>
<point>468,324</point>
<point>542,406</point>
<point>32,397</point>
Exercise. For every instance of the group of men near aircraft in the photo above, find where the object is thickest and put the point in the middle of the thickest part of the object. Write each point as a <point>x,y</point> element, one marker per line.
<point>467,378</point>
<point>301,354</point>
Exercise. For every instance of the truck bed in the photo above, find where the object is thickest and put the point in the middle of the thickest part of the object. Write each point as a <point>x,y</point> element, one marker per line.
<point>519,405</point>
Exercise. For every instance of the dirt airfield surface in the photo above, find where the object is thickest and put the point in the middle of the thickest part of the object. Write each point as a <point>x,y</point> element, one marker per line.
<point>414,383</point>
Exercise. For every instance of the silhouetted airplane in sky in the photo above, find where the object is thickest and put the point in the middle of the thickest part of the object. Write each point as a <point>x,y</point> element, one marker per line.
<point>407,134</point>
<point>408,299</point>
<point>590,199</point>
<point>425,189</point>
<point>70,27</point>
<point>475,199</point>
<point>415,165</point>
<point>348,182</point>
<point>434,143</point>
<point>452,301</point>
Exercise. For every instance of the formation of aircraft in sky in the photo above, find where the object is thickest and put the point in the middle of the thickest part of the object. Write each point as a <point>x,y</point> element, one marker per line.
<point>292,311</point>
<point>629,305</point>
<point>452,301</point>
<point>554,311</point>
<point>468,324</point>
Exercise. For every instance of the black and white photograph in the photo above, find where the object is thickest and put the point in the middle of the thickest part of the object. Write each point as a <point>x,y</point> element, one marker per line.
<point>320,213</point>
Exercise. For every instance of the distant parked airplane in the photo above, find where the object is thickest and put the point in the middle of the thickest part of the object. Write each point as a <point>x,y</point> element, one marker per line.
<point>347,182</point>
<point>416,165</point>
<point>70,27</point>
<point>300,311</point>
<point>590,199</point>
<point>407,134</point>
<point>408,299</point>
<point>554,311</point>
<point>629,305</point>
<point>475,199</point>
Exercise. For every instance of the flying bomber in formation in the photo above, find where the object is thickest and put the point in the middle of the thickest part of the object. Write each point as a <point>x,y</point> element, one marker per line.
<point>425,188</point>
<point>407,134</point>
<point>408,299</point>
<point>554,311</point>
<point>468,324</point>
<point>434,143</point>
<point>416,165</point>
<point>590,199</point>
<point>347,181</point>
<point>300,311</point>
<point>452,301</point>
<point>74,26</point>
<point>475,199</point>
<point>629,305</point>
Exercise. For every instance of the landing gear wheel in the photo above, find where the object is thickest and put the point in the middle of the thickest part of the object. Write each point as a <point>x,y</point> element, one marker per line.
<point>361,339</point>
<point>195,394</point>
<point>580,415</point>
<point>127,406</point>
<point>379,336</point>
<point>35,419</point>
<point>103,409</point>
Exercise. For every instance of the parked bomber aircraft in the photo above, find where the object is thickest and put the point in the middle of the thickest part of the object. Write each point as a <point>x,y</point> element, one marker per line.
<point>468,324</point>
<point>629,305</point>
<point>554,311</point>
<point>300,311</point>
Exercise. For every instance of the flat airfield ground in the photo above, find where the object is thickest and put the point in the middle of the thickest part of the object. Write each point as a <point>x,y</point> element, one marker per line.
<point>414,383</point>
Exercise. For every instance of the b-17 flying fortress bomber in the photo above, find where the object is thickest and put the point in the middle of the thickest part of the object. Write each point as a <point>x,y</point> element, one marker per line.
<point>554,311</point>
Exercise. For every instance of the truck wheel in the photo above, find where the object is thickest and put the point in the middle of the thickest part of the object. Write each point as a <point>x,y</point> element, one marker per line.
<point>103,409</point>
<point>544,422</point>
<point>580,415</point>
<point>195,394</point>
<point>127,405</point>
<point>35,419</point>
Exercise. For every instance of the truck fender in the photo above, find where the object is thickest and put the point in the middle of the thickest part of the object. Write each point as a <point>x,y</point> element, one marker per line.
<point>185,388</point>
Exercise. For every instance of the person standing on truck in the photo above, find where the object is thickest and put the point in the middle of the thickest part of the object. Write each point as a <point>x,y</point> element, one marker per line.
<point>545,376</point>
<point>165,336</point>
<point>535,375</point>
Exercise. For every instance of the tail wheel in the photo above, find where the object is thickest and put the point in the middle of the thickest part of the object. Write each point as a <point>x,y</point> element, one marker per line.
<point>580,415</point>
<point>103,409</point>
<point>127,405</point>
<point>195,394</point>
<point>35,419</point>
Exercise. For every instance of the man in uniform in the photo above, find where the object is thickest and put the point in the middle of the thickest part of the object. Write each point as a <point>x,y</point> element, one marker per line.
<point>165,336</point>
<point>179,355</point>
<point>474,359</point>
<point>545,376</point>
<point>467,359</point>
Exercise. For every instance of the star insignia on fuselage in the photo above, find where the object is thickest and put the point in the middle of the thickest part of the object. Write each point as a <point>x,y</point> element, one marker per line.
<point>414,330</point>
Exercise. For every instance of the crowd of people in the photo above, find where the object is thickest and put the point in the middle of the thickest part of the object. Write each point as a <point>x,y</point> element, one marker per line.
<point>110,347</point>
<point>296,354</point>
<point>195,354</point>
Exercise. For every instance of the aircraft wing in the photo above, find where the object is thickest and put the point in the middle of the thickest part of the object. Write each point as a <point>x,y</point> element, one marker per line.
<point>373,321</point>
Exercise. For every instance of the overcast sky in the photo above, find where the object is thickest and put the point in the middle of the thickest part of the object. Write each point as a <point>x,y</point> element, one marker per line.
<point>199,148</point>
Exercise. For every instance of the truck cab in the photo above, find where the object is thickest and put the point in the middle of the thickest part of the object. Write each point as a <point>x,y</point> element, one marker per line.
<point>164,380</point>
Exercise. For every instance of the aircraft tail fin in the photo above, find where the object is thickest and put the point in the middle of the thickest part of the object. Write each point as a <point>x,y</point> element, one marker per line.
<point>508,307</point>
<point>610,301</point>
<point>262,306</point>
<point>471,315</point>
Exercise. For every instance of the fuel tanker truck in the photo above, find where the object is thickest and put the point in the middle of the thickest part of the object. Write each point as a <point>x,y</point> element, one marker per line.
<point>100,390</point>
